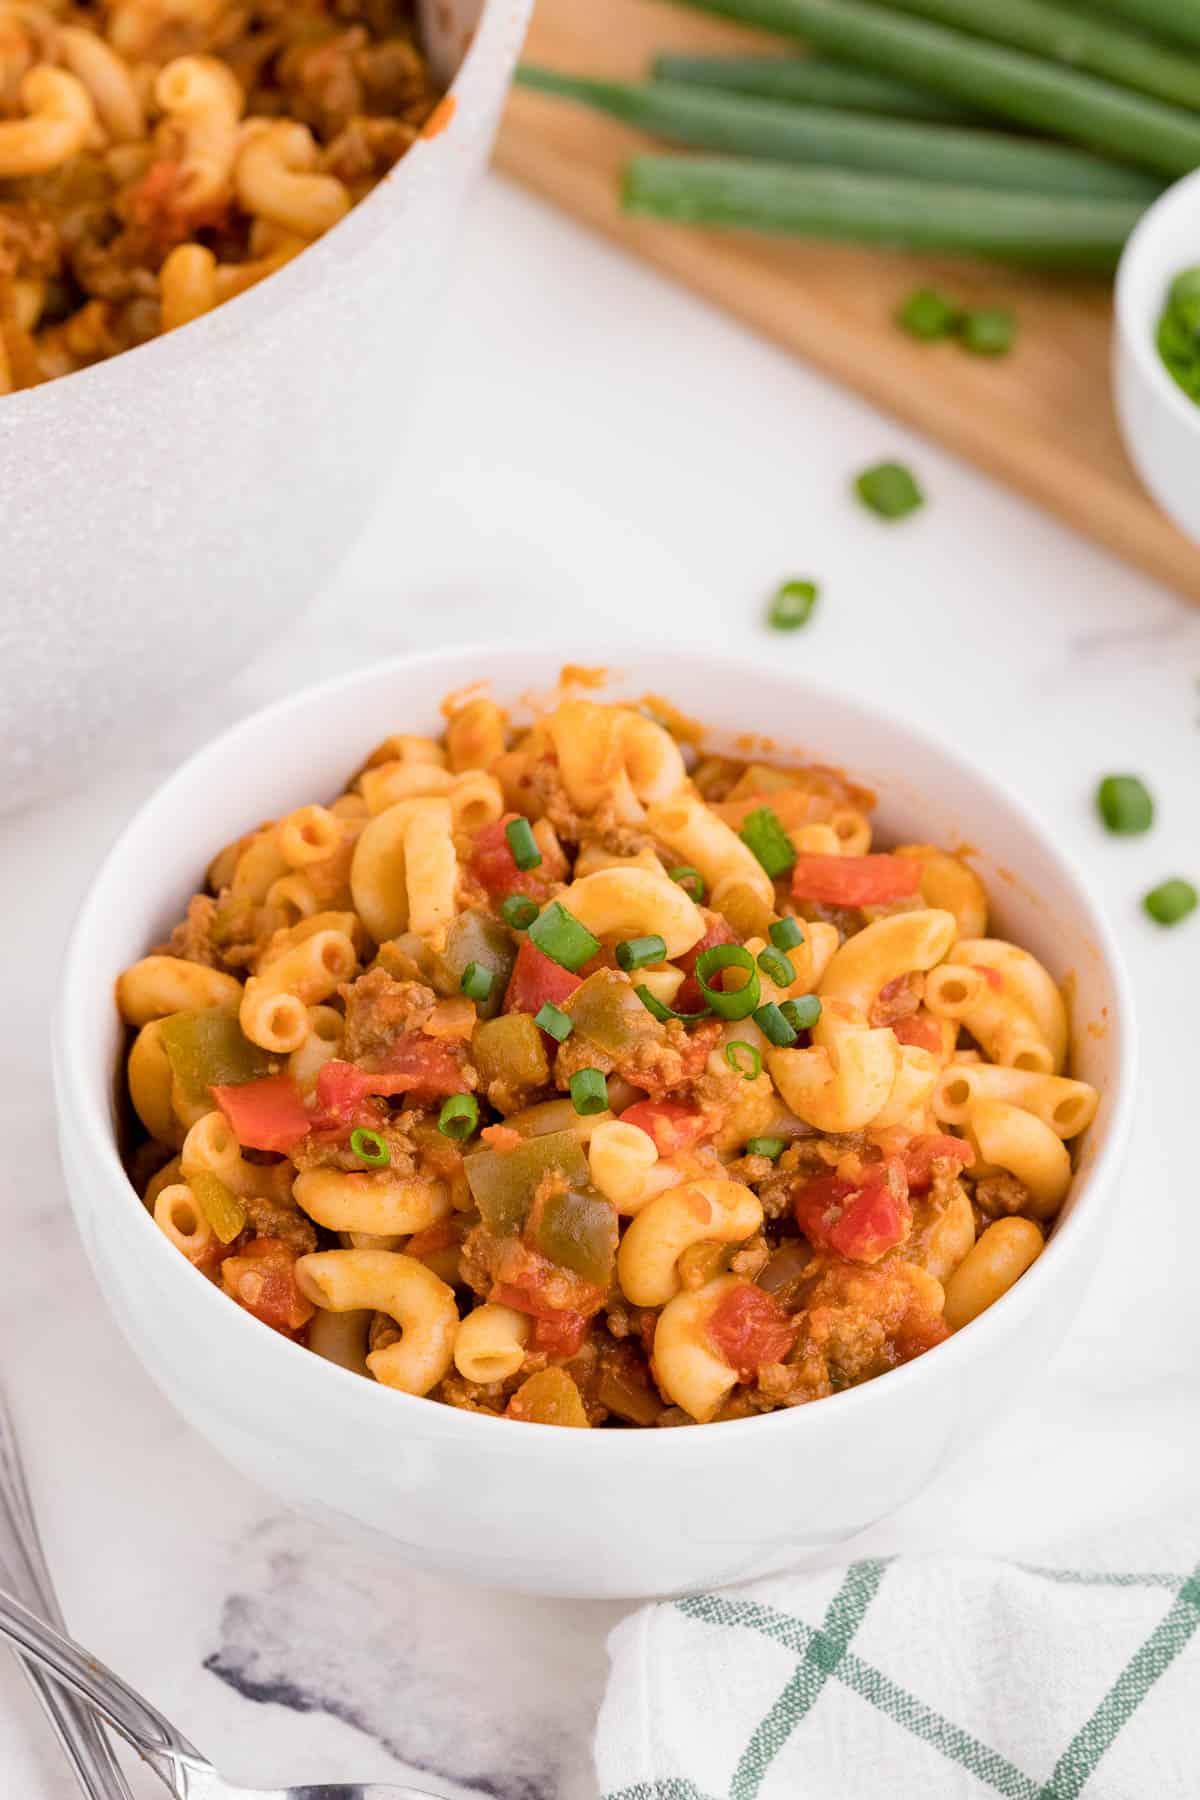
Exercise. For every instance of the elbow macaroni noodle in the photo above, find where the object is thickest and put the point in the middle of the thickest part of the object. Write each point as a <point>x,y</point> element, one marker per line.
<point>521,1136</point>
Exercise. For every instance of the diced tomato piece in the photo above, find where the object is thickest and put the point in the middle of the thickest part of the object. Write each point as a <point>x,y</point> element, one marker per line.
<point>855,880</point>
<point>922,1032</point>
<point>265,1115</point>
<point>262,1278</point>
<point>859,1221</point>
<point>440,1236</point>
<point>495,867</point>
<point>537,978</point>
<point>421,1066</point>
<point>747,1327</point>
<point>558,1329</point>
<point>690,998</point>
<point>671,1124</point>
<point>920,1154</point>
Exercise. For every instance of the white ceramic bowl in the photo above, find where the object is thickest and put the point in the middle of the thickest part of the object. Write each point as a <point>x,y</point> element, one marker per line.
<point>1161,425</point>
<point>529,1506</point>
<point>164,513</point>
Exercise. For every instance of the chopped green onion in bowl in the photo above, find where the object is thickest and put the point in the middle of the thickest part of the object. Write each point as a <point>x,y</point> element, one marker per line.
<point>690,880</point>
<point>762,830</point>
<point>1177,336</point>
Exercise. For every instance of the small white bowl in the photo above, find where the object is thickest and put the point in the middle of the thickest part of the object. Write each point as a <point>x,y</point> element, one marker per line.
<point>1160,424</point>
<point>589,1513</point>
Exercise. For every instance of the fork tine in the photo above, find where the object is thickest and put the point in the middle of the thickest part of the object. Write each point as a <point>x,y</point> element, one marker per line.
<point>87,1749</point>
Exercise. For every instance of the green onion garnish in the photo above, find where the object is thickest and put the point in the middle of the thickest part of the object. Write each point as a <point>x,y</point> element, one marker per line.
<point>589,1092</point>
<point>776,967</point>
<point>742,1001</point>
<point>792,605</point>
<point>476,981</point>
<point>559,935</point>
<point>518,912</point>
<point>786,934</point>
<point>370,1148</point>
<point>803,1013</point>
<point>690,880</point>
<point>772,1147</point>
<point>553,1019</point>
<point>522,843</point>
<point>639,953</point>
<point>765,835</point>
<point>1171,901</point>
<point>773,1025</point>
<point>1124,804</point>
<point>745,1058</point>
<point>927,315</point>
<point>889,490</point>
<point>661,1011</point>
<point>988,331</point>
<point>459,1116</point>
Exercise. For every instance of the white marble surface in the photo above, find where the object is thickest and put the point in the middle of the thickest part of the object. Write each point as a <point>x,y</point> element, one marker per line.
<point>597,444</point>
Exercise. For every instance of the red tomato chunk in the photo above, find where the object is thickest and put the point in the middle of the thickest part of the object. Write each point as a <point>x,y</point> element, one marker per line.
<point>416,1065</point>
<point>559,1330</point>
<point>747,1328</point>
<point>922,1152</point>
<point>265,1115</point>
<point>495,867</point>
<point>862,1221</point>
<point>923,1034</point>
<point>537,978</point>
<point>855,880</point>
<point>672,1125</point>
<point>262,1278</point>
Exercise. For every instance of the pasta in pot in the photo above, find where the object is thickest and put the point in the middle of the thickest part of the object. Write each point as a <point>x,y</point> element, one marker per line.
<point>671,1098</point>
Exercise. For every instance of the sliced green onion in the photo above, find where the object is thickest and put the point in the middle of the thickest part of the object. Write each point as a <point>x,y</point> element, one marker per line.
<point>889,490</point>
<point>476,981</point>
<point>553,1019</point>
<point>774,1026</point>
<point>1124,804</point>
<point>776,967</point>
<point>786,934</point>
<point>742,1001</point>
<point>559,935</point>
<point>988,330</point>
<point>589,1092</point>
<point>792,605</point>
<point>522,843</point>
<point>801,1014</point>
<point>640,953</point>
<point>659,1010</point>
<point>1171,901</point>
<point>690,880</point>
<point>745,1058</point>
<point>928,315</point>
<point>766,1146</point>
<point>370,1148</point>
<point>459,1116</point>
<point>518,911</point>
<point>764,833</point>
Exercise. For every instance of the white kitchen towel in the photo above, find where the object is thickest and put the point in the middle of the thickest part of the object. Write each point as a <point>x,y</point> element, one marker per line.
<point>916,1678</point>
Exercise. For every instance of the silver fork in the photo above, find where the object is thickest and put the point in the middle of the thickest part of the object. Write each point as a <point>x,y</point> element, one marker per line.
<point>22,1558</point>
<point>188,1774</point>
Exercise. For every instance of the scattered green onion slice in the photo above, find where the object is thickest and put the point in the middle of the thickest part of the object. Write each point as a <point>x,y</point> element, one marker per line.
<point>792,605</point>
<point>745,1058</point>
<point>889,490</point>
<point>370,1148</point>
<point>742,1001</point>
<point>766,1146</point>
<point>589,1092</point>
<point>477,981</point>
<point>553,1019</point>
<point>522,843</point>
<point>774,1026</point>
<point>988,331</point>
<point>1170,901</point>
<point>803,1013</point>
<point>559,935</point>
<point>927,315</point>
<point>459,1116</point>
<point>518,912</point>
<point>659,1010</point>
<point>776,967</point>
<point>764,833</point>
<point>690,880</point>
<point>1124,804</point>
<point>639,953</point>
<point>786,934</point>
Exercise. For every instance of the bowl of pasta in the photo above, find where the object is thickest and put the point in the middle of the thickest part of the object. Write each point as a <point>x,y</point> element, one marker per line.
<point>223,230</point>
<point>589,1103</point>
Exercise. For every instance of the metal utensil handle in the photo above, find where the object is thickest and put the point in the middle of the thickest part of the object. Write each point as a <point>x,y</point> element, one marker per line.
<point>86,1748</point>
<point>166,1750</point>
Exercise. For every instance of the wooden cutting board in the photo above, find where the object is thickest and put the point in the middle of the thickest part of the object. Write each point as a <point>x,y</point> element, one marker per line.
<point>1040,419</point>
